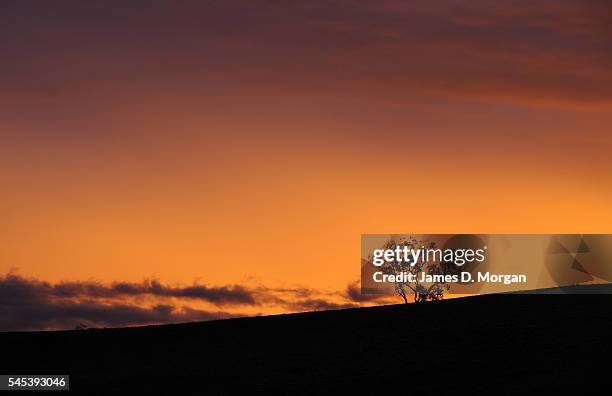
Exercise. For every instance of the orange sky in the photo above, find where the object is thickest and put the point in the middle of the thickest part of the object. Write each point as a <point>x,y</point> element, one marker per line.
<point>232,144</point>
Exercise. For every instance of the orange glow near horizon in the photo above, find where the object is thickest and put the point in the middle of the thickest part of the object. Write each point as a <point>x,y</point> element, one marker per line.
<point>284,216</point>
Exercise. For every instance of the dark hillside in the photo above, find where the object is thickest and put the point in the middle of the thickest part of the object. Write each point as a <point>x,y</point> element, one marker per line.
<point>503,343</point>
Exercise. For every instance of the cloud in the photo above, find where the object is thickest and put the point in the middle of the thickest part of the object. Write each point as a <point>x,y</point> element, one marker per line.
<point>353,293</point>
<point>550,51</point>
<point>32,304</point>
<point>225,295</point>
<point>15,286</point>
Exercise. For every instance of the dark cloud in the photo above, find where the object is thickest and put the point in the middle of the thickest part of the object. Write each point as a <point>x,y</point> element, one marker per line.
<point>218,295</point>
<point>32,304</point>
<point>353,293</point>
<point>14,286</point>
<point>550,51</point>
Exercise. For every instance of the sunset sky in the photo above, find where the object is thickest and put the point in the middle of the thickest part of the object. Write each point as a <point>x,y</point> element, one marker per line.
<point>186,160</point>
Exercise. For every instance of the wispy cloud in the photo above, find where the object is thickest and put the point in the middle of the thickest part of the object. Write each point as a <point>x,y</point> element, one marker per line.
<point>552,51</point>
<point>225,295</point>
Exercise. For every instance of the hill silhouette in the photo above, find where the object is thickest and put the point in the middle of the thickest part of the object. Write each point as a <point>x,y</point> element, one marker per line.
<point>509,344</point>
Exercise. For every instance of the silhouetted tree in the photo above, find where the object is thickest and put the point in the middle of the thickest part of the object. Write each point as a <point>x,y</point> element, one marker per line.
<point>420,291</point>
